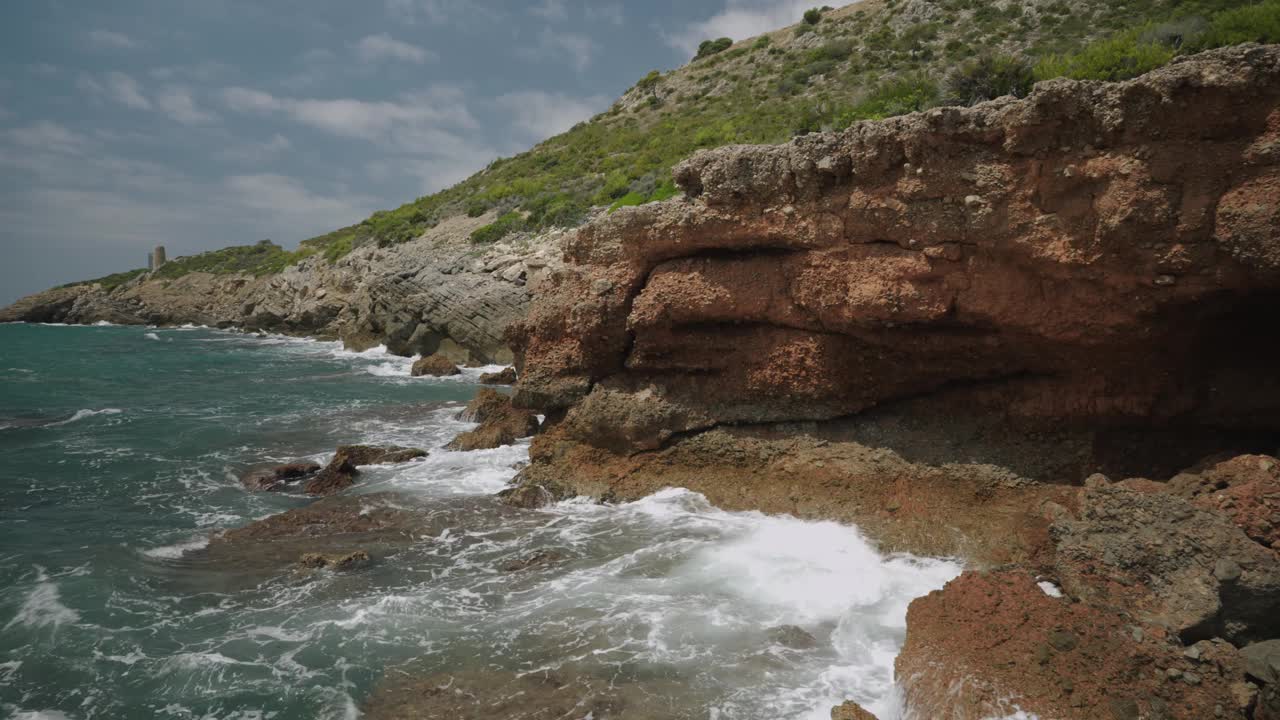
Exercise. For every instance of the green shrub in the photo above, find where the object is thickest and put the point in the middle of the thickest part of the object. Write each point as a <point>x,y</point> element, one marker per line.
<point>650,81</point>
<point>710,47</point>
<point>1119,57</point>
<point>761,42</point>
<point>834,50</point>
<point>989,77</point>
<point>803,30</point>
<point>812,16</point>
<point>476,207</point>
<point>629,200</point>
<point>498,229</point>
<point>339,248</point>
<point>109,282</point>
<point>1254,23</point>
<point>907,93</point>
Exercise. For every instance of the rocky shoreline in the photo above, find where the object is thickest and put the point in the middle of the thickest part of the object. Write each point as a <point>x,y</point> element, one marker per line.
<point>1033,335</point>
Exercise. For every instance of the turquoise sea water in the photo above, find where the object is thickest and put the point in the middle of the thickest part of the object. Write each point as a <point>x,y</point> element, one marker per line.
<point>119,455</point>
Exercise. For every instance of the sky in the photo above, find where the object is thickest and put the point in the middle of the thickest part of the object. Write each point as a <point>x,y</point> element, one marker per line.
<point>197,124</point>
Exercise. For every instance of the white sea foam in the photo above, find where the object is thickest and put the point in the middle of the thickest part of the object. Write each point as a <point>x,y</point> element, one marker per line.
<point>151,336</point>
<point>177,550</point>
<point>103,323</point>
<point>43,606</point>
<point>82,414</point>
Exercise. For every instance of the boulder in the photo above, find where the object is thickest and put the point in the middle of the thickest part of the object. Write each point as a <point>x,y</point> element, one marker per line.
<point>356,455</point>
<point>1262,661</point>
<point>506,376</point>
<point>434,366</point>
<point>276,478</point>
<point>500,423</point>
<point>792,636</point>
<point>538,559</point>
<point>850,711</point>
<point>349,561</point>
<point>333,478</point>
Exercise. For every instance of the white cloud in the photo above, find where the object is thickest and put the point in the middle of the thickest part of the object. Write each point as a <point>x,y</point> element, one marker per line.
<point>388,121</point>
<point>111,40</point>
<point>280,194</point>
<point>579,48</point>
<point>117,87</point>
<point>178,103</point>
<point>553,10</point>
<point>253,152</point>
<point>540,115</point>
<point>48,136</point>
<point>373,48</point>
<point>740,19</point>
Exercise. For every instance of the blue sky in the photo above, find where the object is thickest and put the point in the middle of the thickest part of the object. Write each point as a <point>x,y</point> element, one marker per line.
<point>198,124</point>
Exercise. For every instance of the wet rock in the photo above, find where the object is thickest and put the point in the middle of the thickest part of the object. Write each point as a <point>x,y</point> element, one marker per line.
<point>500,423</point>
<point>1171,562</point>
<point>356,455</point>
<point>350,561</point>
<point>792,636</point>
<point>850,711</point>
<point>435,366</point>
<point>529,496</point>
<point>496,695</point>
<point>506,376</point>
<point>276,478</point>
<point>537,559</point>
<point>335,477</point>
<point>988,642</point>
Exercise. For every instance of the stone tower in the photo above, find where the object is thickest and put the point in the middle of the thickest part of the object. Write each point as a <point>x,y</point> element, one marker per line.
<point>157,258</point>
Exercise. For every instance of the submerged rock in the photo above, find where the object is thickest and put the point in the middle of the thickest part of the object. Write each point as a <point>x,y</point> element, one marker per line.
<point>792,636</point>
<point>350,561</point>
<point>506,376</point>
<point>537,559</point>
<point>276,478</point>
<point>435,366</point>
<point>341,472</point>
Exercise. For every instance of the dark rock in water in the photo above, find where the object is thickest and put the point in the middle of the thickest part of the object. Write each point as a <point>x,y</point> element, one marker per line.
<point>527,496</point>
<point>792,636</point>
<point>336,476</point>
<point>850,711</point>
<point>506,376</point>
<point>341,471</point>
<point>350,561</point>
<point>276,478</point>
<point>501,695</point>
<point>356,455</point>
<point>435,366</point>
<point>542,557</point>
<point>500,423</point>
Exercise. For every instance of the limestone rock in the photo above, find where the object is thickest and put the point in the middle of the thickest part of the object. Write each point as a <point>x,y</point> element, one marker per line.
<point>850,711</point>
<point>349,561</point>
<point>356,455</point>
<point>434,365</point>
<point>276,478</point>
<point>506,376</point>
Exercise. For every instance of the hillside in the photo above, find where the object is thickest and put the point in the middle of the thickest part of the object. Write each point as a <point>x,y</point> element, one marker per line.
<point>868,60</point>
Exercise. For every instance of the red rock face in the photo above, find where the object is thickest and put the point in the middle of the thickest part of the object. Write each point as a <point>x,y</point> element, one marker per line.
<point>1096,255</point>
<point>989,644</point>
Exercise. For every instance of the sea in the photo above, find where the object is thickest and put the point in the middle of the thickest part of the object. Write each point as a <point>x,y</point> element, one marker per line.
<point>120,455</point>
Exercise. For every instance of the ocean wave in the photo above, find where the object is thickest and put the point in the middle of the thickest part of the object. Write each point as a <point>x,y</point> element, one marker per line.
<point>86,413</point>
<point>176,550</point>
<point>151,336</point>
<point>43,606</point>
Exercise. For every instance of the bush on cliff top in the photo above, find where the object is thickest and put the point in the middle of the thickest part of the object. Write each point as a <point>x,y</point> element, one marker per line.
<point>721,100</point>
<point>110,282</point>
<point>262,258</point>
<point>498,229</point>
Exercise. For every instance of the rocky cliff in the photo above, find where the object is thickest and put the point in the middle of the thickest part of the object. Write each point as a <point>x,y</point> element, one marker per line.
<point>939,326</point>
<point>438,293</point>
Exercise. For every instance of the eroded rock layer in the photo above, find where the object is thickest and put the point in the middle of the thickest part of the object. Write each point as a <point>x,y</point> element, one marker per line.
<point>1097,258</point>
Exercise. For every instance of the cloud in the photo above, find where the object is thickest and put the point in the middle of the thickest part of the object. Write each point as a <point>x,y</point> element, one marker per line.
<point>177,103</point>
<point>109,39</point>
<point>281,194</point>
<point>50,137</point>
<point>540,115</point>
<point>117,87</point>
<point>553,10</point>
<point>373,48</point>
<point>578,48</point>
<point>386,121</point>
<point>254,152</point>
<point>740,19</point>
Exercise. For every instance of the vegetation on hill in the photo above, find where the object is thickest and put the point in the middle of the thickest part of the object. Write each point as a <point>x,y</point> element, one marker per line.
<point>871,60</point>
<point>109,282</point>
